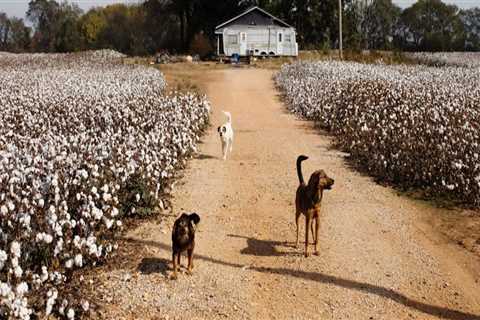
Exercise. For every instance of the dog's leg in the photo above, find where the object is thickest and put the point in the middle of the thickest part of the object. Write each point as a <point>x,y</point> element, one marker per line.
<point>313,233</point>
<point>297,217</point>
<point>190,261</point>
<point>317,228</point>
<point>308,221</point>
<point>231,145</point>
<point>174,262</point>
<point>224,150</point>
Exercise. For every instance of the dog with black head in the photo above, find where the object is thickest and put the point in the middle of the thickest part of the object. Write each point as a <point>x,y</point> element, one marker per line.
<point>183,239</point>
<point>225,132</point>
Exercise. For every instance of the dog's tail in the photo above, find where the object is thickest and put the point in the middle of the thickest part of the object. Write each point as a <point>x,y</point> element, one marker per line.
<point>299,168</point>
<point>195,218</point>
<point>228,115</point>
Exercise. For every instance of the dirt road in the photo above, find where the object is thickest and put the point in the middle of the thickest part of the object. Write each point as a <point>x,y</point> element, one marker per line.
<point>379,258</point>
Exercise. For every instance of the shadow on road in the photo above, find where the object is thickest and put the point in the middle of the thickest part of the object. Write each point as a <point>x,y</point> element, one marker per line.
<point>154,265</point>
<point>265,248</point>
<point>368,288</point>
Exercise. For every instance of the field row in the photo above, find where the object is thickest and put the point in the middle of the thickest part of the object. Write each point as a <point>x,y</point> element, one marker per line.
<point>414,126</point>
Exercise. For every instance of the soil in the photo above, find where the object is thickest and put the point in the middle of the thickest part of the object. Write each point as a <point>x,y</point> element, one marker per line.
<point>382,255</point>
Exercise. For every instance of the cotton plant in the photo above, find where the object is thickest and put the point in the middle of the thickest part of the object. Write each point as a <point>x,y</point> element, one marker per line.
<point>415,126</point>
<point>75,129</point>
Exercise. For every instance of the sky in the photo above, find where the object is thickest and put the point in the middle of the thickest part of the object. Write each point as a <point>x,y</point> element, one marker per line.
<point>19,7</point>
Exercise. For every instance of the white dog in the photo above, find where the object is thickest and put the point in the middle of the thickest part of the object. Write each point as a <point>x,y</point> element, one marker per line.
<point>226,135</point>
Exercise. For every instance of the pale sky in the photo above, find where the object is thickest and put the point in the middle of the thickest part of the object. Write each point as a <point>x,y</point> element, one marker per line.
<point>19,7</point>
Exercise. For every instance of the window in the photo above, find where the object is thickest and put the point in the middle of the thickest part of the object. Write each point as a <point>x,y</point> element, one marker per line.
<point>232,39</point>
<point>243,36</point>
<point>280,37</point>
<point>288,38</point>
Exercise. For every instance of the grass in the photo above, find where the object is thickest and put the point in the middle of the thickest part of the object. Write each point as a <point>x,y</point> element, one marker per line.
<point>369,57</point>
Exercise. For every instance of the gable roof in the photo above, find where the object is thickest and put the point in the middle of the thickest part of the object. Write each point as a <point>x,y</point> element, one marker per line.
<point>279,21</point>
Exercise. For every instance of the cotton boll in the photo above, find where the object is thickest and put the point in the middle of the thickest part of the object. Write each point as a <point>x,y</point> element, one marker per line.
<point>5,289</point>
<point>70,314</point>
<point>21,289</point>
<point>79,260</point>
<point>15,249</point>
<point>85,305</point>
<point>3,259</point>
<point>69,264</point>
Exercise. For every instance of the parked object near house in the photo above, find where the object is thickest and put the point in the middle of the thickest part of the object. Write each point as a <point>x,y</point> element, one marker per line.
<point>256,33</point>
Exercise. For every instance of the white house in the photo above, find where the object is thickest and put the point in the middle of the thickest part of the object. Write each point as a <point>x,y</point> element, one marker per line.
<point>256,32</point>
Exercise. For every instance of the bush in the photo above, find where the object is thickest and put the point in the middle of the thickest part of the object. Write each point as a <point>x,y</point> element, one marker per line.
<point>201,45</point>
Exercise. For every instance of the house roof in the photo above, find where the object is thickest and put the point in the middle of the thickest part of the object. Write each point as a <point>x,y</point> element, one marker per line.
<point>279,21</point>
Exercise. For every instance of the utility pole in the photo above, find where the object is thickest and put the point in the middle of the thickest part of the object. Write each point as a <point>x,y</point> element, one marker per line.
<point>340,40</point>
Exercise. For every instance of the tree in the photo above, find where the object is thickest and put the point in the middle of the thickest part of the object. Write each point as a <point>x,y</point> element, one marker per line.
<point>161,27</point>
<point>378,26</point>
<point>471,24</point>
<point>14,35</point>
<point>67,31</point>
<point>19,37</point>
<point>91,25</point>
<point>431,25</point>
<point>4,31</point>
<point>43,14</point>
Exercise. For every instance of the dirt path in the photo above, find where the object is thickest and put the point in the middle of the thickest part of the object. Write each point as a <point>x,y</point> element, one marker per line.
<point>378,260</point>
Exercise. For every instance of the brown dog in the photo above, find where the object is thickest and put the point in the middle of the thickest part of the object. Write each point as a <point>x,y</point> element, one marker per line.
<point>183,239</point>
<point>308,201</point>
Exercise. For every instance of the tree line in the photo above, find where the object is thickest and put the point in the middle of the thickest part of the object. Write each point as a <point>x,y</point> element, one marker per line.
<point>188,25</point>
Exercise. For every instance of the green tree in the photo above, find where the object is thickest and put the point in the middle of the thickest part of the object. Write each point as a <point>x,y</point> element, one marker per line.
<point>14,35</point>
<point>19,37</point>
<point>471,23</point>
<point>431,25</point>
<point>91,25</point>
<point>67,33</point>
<point>381,17</point>
<point>43,14</point>
<point>4,31</point>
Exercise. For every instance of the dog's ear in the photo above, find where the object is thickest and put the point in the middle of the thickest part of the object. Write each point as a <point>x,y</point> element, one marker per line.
<point>224,129</point>
<point>314,180</point>
<point>195,218</point>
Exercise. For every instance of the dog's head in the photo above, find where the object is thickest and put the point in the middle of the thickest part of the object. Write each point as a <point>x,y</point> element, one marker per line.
<point>222,130</point>
<point>319,180</point>
<point>185,225</point>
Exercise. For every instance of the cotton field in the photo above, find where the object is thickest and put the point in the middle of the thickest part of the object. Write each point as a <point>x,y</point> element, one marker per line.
<point>415,126</point>
<point>84,143</point>
<point>460,59</point>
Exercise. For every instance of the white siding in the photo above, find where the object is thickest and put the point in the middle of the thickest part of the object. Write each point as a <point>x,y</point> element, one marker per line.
<point>261,40</point>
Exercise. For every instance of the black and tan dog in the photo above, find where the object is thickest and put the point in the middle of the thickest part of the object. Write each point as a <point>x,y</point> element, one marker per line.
<point>183,239</point>
<point>308,201</point>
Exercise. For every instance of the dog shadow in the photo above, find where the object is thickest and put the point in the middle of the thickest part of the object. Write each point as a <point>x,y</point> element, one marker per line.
<point>154,265</point>
<point>265,248</point>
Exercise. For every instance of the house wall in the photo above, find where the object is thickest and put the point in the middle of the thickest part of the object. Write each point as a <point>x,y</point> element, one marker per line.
<point>260,40</point>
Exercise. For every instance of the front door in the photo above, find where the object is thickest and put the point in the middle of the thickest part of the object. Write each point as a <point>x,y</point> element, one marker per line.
<point>280,43</point>
<point>243,43</point>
